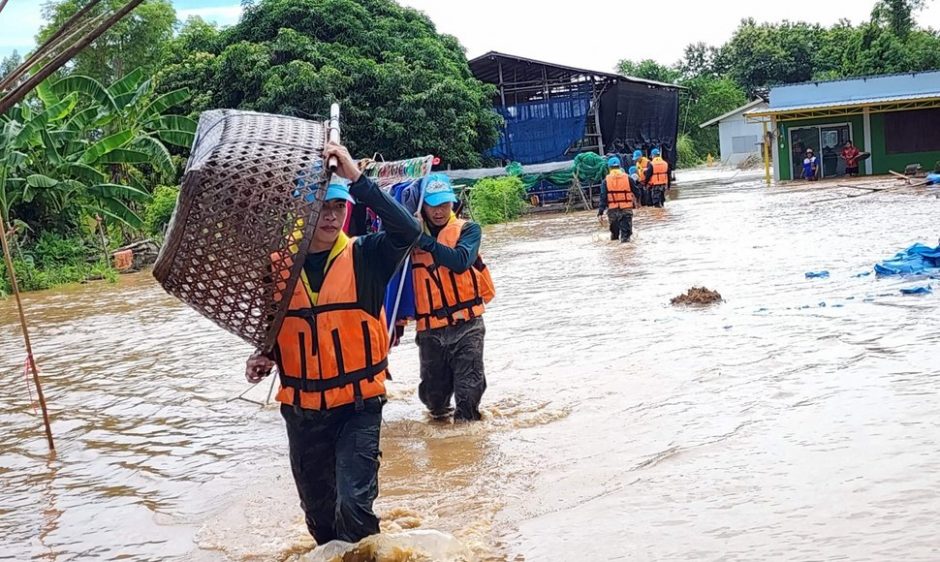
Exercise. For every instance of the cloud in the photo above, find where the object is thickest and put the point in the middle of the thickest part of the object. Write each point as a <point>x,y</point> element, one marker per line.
<point>222,15</point>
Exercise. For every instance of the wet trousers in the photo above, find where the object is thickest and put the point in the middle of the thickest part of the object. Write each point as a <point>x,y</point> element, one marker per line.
<point>647,196</point>
<point>334,457</point>
<point>452,365</point>
<point>621,224</point>
<point>637,195</point>
<point>658,196</point>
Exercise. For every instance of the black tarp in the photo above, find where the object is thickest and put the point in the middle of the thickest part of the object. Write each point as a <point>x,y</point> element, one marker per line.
<point>639,116</point>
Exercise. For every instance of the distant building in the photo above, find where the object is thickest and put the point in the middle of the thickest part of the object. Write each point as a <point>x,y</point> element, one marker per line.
<point>740,138</point>
<point>554,112</point>
<point>895,118</point>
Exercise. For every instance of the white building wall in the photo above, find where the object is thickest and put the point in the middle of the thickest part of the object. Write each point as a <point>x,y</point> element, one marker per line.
<point>739,139</point>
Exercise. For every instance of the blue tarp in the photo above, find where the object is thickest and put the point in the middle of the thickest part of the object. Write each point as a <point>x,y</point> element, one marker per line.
<point>542,131</point>
<point>916,260</point>
<point>926,290</point>
<point>817,274</point>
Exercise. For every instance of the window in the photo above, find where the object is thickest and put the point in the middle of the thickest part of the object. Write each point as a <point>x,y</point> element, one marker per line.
<point>912,131</point>
<point>744,144</point>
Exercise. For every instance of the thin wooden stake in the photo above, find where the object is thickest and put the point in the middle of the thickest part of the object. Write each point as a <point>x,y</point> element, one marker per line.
<point>29,347</point>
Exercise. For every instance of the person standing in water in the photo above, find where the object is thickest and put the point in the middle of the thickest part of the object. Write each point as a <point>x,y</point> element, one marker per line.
<point>618,200</point>
<point>452,285</point>
<point>658,173</point>
<point>331,354</point>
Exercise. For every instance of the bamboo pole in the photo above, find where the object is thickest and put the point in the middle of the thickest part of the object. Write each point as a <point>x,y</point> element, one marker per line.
<point>29,347</point>
<point>20,91</point>
<point>3,4</point>
<point>48,45</point>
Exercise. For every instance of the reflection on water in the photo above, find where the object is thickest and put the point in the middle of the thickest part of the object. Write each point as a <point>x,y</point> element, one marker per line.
<point>797,420</point>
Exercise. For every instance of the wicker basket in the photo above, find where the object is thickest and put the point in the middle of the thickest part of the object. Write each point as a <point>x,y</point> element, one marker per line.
<point>251,195</point>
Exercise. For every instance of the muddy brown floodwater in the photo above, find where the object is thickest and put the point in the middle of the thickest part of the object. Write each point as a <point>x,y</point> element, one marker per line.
<point>798,419</point>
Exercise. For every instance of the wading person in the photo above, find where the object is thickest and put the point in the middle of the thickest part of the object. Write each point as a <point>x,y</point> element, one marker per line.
<point>618,200</point>
<point>452,285</point>
<point>658,173</point>
<point>332,352</point>
<point>642,164</point>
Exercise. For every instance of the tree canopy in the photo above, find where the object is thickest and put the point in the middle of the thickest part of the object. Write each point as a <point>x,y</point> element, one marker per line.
<point>404,88</point>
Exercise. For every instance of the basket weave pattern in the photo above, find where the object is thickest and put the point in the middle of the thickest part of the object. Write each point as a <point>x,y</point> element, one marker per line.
<point>250,199</point>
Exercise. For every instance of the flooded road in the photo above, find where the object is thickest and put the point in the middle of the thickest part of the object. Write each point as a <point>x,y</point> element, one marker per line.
<point>797,420</point>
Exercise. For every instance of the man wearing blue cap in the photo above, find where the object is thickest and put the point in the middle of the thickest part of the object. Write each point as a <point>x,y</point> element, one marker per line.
<point>658,173</point>
<point>452,286</point>
<point>331,354</point>
<point>618,200</point>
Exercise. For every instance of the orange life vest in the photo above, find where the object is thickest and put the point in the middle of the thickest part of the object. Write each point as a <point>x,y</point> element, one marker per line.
<point>333,353</point>
<point>660,172</point>
<point>443,297</point>
<point>641,168</point>
<point>619,194</point>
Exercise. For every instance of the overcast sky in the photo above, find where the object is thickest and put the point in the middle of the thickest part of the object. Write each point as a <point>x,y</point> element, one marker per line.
<point>583,34</point>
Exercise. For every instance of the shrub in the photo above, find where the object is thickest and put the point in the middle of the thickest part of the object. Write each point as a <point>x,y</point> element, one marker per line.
<point>160,210</point>
<point>685,149</point>
<point>495,200</point>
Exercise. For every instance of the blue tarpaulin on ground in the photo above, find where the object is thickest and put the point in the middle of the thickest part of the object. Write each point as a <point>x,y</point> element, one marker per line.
<point>916,260</point>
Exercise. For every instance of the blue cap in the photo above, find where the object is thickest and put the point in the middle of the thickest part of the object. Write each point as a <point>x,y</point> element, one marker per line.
<point>613,162</point>
<point>338,191</point>
<point>438,190</point>
<point>632,170</point>
<point>656,152</point>
<point>637,154</point>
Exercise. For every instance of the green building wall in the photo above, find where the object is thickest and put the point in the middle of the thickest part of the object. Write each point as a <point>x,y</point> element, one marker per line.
<point>881,162</point>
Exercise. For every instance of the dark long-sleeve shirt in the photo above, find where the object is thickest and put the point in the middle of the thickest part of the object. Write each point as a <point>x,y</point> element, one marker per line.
<point>462,256</point>
<point>603,204</point>
<point>376,256</point>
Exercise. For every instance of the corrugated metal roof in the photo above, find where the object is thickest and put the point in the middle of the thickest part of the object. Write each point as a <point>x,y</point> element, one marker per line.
<point>735,111</point>
<point>485,69</point>
<point>844,105</point>
<point>855,90</point>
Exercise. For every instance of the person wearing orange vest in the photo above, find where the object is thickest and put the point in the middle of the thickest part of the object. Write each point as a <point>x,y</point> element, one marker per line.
<point>658,173</point>
<point>642,163</point>
<point>618,200</point>
<point>452,285</point>
<point>331,355</point>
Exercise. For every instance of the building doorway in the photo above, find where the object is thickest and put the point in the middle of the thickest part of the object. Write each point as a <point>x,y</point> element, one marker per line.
<point>826,141</point>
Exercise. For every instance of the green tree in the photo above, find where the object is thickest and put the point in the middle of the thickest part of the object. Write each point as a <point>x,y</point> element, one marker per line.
<point>139,40</point>
<point>896,15</point>
<point>648,69</point>
<point>766,54</point>
<point>404,88</point>
<point>89,150</point>
<point>707,98</point>
<point>9,63</point>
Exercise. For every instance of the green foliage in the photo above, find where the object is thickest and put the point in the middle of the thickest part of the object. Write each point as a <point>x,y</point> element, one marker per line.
<point>496,200</point>
<point>404,88</point>
<point>707,98</point>
<point>760,55</point>
<point>688,157</point>
<point>139,40</point>
<point>8,63</point>
<point>649,70</point>
<point>160,210</point>
<point>51,250</point>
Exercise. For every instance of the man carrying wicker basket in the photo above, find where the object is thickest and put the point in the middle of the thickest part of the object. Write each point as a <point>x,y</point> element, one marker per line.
<point>332,356</point>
